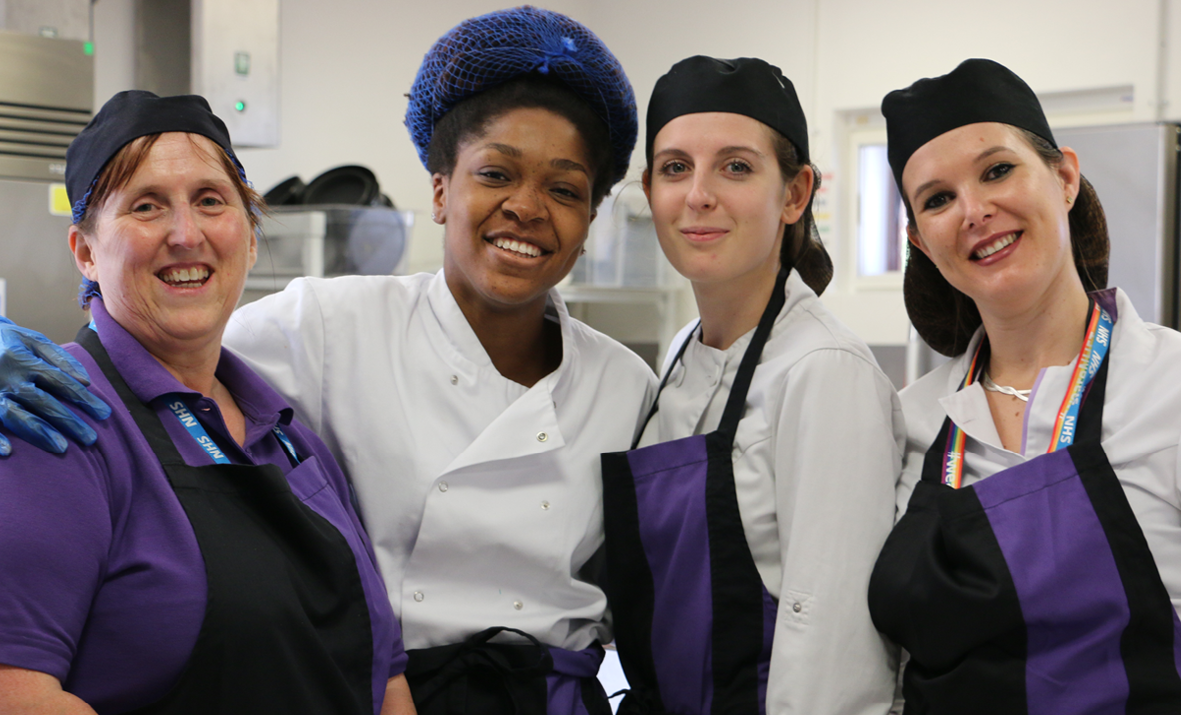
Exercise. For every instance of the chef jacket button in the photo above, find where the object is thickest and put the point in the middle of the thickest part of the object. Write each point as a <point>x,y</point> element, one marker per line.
<point>796,607</point>
<point>518,605</point>
<point>443,486</point>
<point>418,596</point>
<point>542,436</point>
<point>455,379</point>
<point>545,505</point>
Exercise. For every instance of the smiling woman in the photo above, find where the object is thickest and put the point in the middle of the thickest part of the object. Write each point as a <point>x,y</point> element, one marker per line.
<point>742,526</point>
<point>202,554</point>
<point>1036,566</point>
<point>469,408</point>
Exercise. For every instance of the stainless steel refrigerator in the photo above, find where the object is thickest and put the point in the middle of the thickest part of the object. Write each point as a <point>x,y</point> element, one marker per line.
<point>46,98</point>
<point>1133,168</point>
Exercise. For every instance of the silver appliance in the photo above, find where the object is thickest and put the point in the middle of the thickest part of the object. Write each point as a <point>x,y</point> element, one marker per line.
<point>327,240</point>
<point>1133,168</point>
<point>46,98</point>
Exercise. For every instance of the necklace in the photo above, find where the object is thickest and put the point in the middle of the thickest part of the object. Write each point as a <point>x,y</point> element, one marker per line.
<point>991,386</point>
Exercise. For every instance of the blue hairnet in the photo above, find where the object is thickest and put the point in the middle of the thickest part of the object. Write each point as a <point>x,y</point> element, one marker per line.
<point>482,52</point>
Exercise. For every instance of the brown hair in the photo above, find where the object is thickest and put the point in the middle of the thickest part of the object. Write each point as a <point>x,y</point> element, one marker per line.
<point>946,318</point>
<point>801,248</point>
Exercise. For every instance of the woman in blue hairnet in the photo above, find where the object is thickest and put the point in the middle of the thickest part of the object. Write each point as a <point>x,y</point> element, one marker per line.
<point>468,407</point>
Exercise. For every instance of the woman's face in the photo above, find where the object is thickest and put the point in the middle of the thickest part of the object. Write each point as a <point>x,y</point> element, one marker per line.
<point>515,210</point>
<point>171,248</point>
<point>719,201</point>
<point>992,216</point>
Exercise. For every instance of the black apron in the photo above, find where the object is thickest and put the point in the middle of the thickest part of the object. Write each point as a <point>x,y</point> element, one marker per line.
<point>1032,591</point>
<point>286,626</point>
<point>478,677</point>
<point>693,621</point>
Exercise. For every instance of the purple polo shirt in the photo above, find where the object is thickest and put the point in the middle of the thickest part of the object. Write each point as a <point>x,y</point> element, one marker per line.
<point>102,584</point>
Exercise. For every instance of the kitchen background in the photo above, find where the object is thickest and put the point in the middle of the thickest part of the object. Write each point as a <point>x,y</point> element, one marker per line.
<point>343,69</point>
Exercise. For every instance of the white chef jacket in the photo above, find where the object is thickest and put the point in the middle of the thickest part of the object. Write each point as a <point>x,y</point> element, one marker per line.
<point>483,498</point>
<point>816,459</point>
<point>1141,427</point>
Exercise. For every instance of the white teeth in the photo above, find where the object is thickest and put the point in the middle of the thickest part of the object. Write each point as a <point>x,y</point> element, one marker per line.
<point>182,276</point>
<point>525,249</point>
<point>996,245</point>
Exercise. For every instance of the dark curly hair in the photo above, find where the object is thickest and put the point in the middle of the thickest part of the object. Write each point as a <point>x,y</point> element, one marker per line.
<point>946,318</point>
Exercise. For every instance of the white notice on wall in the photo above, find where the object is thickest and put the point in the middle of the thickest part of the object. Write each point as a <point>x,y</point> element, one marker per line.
<point>3,298</point>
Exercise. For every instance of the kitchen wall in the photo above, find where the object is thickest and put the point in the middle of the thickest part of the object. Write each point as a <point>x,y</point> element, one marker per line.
<point>346,66</point>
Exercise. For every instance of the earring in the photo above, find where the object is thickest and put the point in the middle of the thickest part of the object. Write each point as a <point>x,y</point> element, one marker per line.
<point>583,253</point>
<point>435,217</point>
<point>1069,200</point>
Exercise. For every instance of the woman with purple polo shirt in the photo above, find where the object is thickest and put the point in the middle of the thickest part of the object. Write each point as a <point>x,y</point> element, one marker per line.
<point>1037,567</point>
<point>202,554</point>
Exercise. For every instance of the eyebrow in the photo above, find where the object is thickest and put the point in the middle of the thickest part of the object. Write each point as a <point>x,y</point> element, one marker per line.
<point>724,150</point>
<point>979,157</point>
<point>515,153</point>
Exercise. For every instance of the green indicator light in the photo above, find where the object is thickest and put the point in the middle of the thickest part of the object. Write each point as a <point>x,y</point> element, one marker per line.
<point>88,48</point>
<point>240,106</point>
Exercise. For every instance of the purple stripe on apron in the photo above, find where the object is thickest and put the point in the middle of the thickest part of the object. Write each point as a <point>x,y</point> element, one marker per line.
<point>770,613</point>
<point>670,493</point>
<point>1072,666</point>
<point>564,685</point>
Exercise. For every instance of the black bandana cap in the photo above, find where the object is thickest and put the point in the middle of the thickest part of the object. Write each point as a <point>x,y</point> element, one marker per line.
<point>746,85</point>
<point>483,52</point>
<point>126,117</point>
<point>976,91</point>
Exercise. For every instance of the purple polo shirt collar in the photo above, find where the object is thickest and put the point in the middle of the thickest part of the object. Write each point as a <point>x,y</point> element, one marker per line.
<point>149,380</point>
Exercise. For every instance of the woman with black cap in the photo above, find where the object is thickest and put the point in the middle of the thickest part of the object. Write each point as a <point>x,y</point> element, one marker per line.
<point>468,407</point>
<point>743,524</point>
<point>1037,568</point>
<point>202,554</point>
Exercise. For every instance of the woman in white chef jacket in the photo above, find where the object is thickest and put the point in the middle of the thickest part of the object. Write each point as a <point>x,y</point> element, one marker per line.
<point>1037,567</point>
<point>762,486</point>
<point>467,407</point>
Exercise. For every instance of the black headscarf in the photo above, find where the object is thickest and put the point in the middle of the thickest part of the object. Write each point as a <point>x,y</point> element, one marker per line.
<point>756,89</point>
<point>128,116</point>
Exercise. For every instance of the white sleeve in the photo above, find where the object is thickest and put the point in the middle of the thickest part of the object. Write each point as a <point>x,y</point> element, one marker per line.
<point>281,337</point>
<point>838,452</point>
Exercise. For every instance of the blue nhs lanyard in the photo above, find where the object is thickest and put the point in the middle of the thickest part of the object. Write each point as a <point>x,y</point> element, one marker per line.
<point>202,438</point>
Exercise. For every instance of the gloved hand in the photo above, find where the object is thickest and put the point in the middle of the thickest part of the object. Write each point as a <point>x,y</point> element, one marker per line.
<point>33,372</point>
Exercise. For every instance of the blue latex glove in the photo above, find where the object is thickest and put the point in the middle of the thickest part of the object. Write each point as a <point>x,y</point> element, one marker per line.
<point>33,372</point>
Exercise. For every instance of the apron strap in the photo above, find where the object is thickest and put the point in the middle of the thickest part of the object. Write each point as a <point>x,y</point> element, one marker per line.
<point>148,421</point>
<point>664,381</point>
<point>736,404</point>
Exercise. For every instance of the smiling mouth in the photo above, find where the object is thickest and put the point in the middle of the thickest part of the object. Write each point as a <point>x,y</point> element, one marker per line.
<point>993,247</point>
<point>194,277</point>
<point>519,248</point>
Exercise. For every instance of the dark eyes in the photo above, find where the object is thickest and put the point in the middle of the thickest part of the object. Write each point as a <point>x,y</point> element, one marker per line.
<point>737,166</point>
<point>996,172</point>
<point>937,200</point>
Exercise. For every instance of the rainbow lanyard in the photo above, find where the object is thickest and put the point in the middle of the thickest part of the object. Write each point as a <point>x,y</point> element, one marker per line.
<point>1090,357</point>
